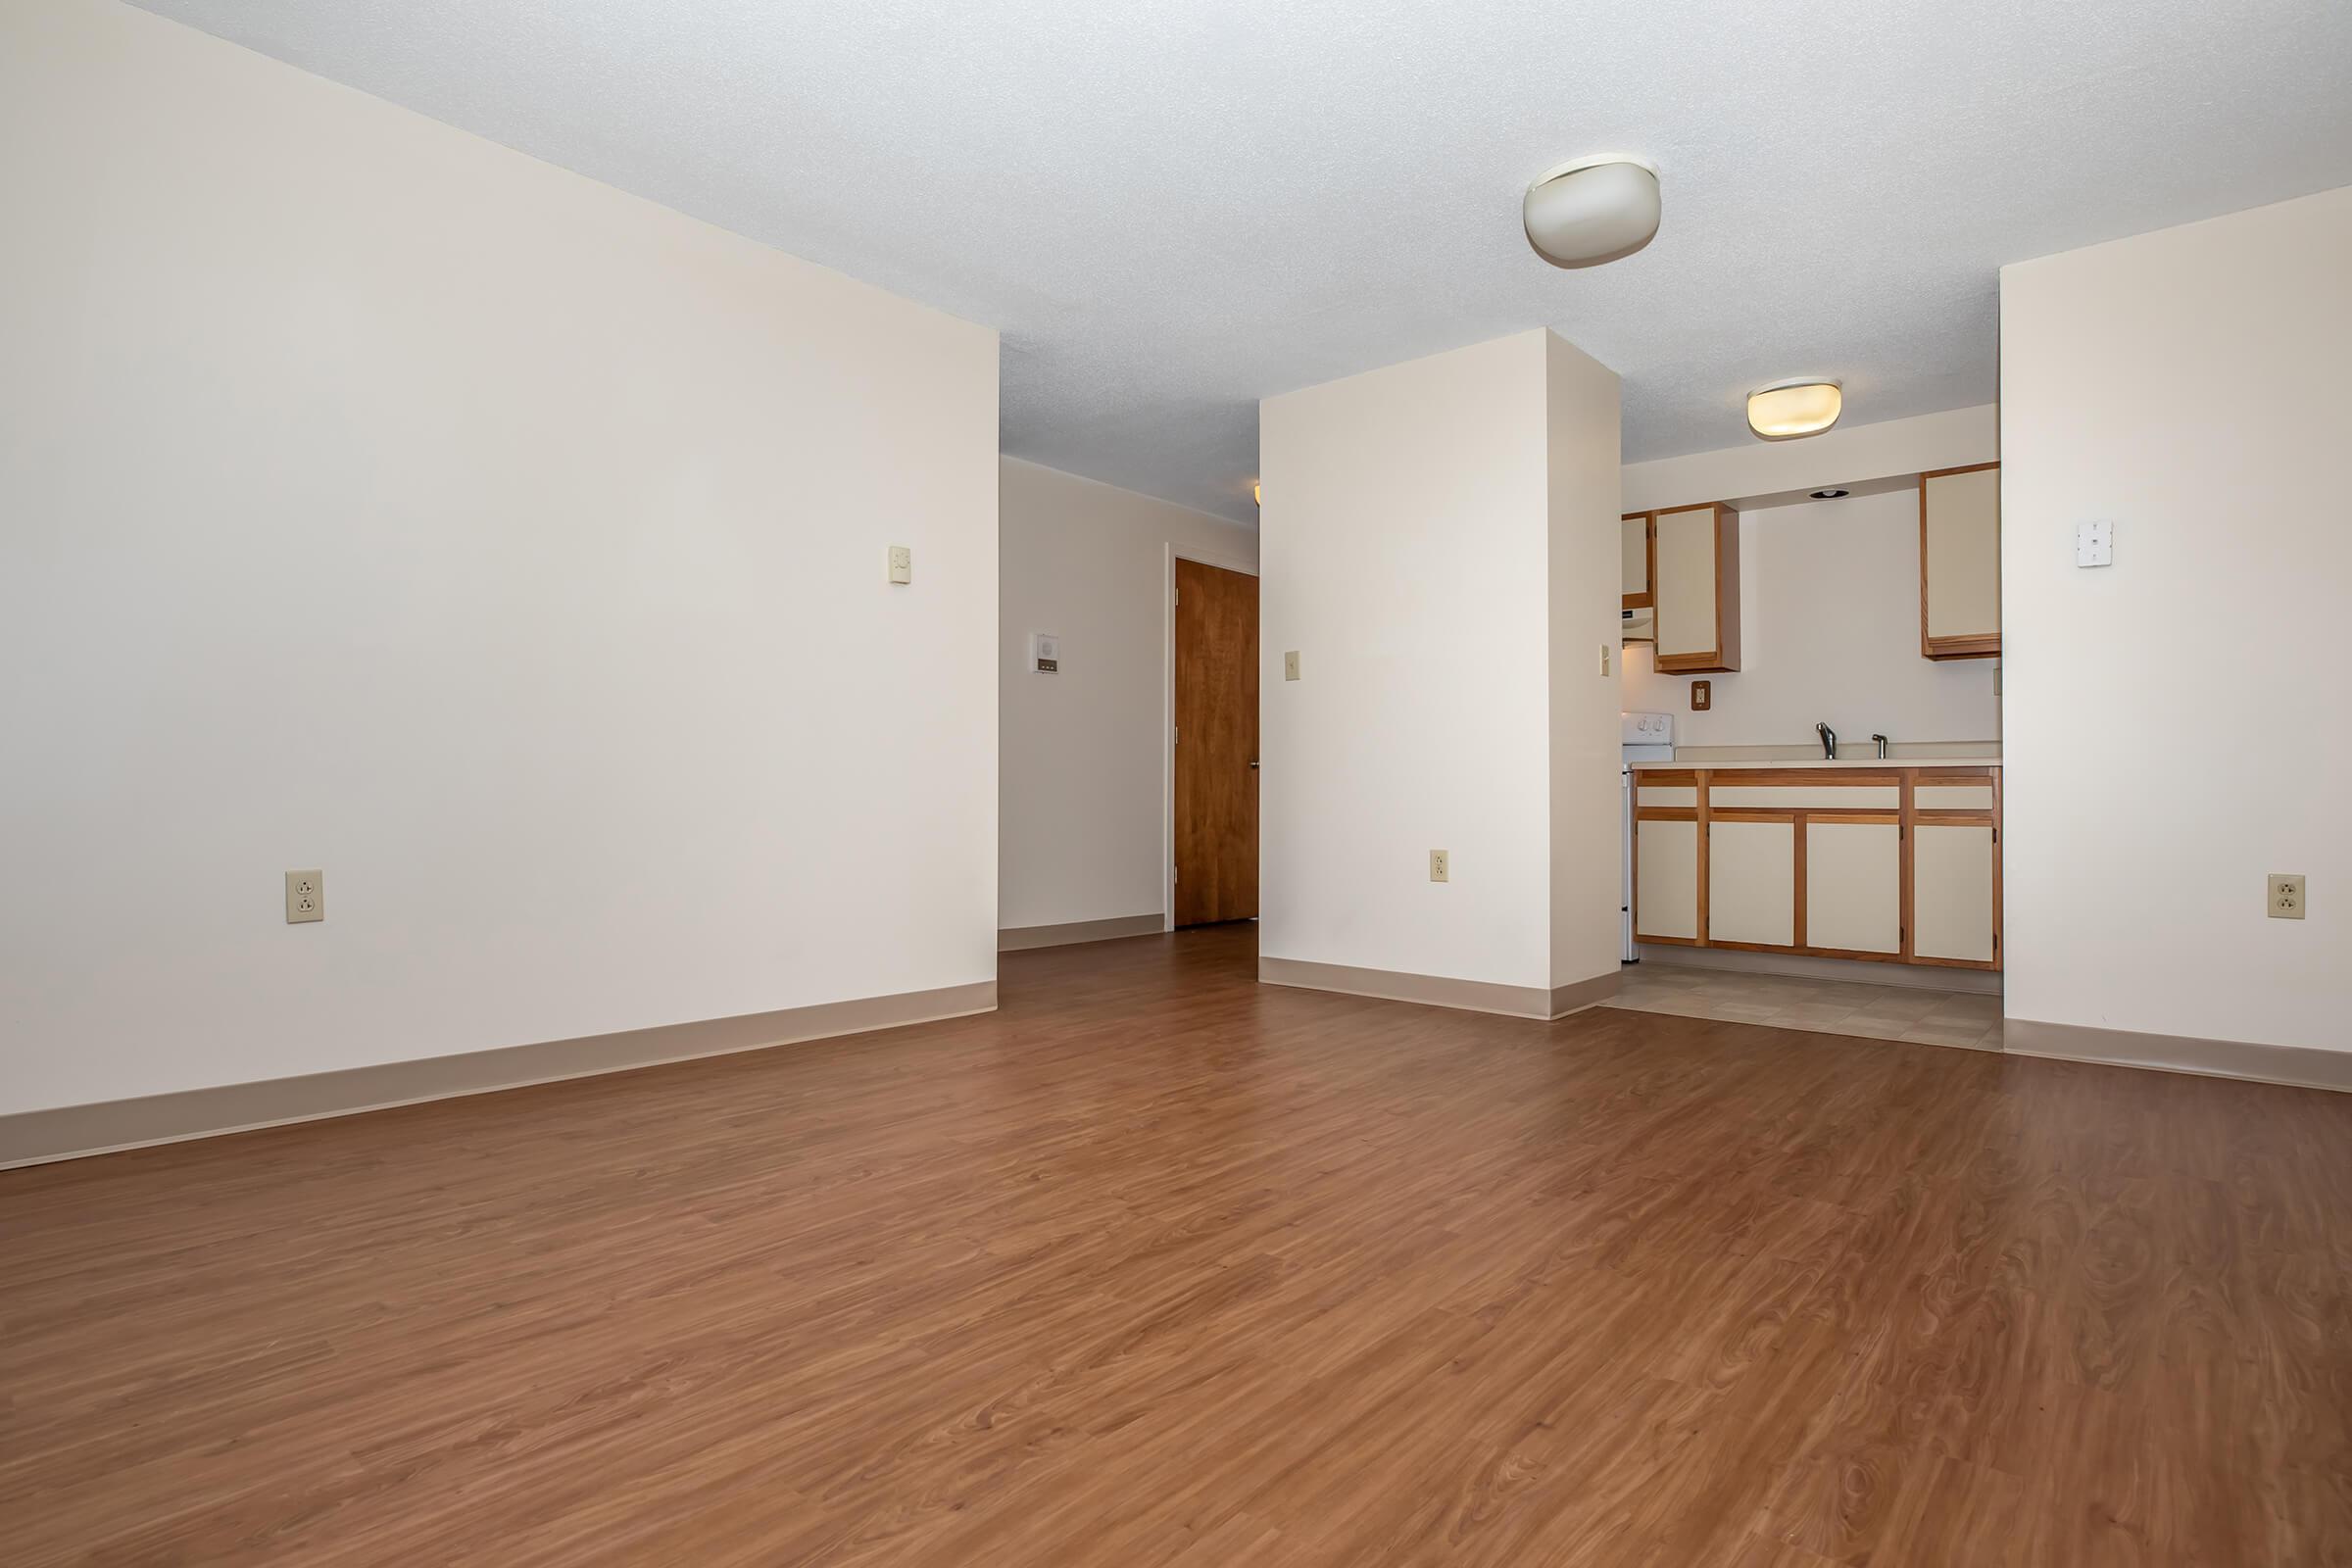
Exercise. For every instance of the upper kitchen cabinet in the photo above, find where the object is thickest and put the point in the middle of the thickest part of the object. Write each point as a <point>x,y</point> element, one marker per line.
<point>1695,578</point>
<point>1639,553</point>
<point>1960,562</point>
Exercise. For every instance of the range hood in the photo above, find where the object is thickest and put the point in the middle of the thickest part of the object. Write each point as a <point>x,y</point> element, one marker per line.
<point>1639,625</point>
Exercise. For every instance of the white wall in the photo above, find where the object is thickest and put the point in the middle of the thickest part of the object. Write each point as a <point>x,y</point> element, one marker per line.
<point>1583,572</point>
<point>1829,622</point>
<point>2174,732</point>
<point>1084,792</point>
<point>377,499</point>
<point>1404,541</point>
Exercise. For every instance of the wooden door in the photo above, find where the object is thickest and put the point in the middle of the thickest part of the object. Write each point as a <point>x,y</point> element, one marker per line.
<point>1216,744</point>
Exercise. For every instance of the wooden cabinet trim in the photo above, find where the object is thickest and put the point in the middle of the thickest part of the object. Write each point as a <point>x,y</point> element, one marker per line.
<point>1649,572</point>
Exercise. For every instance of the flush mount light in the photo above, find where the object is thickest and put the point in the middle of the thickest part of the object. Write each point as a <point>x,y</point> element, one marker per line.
<point>1592,210</point>
<point>1829,495</point>
<point>1786,409</point>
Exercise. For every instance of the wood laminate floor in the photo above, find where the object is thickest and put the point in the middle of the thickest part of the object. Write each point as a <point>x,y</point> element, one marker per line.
<point>1159,1267</point>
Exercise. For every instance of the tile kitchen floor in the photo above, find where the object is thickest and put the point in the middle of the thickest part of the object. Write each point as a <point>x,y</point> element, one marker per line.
<point>1969,1019</point>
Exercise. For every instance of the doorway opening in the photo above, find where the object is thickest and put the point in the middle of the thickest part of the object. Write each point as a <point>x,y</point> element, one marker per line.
<point>1212,744</point>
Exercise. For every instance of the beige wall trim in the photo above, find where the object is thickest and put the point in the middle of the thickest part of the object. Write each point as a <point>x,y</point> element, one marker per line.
<point>1583,994</point>
<point>68,1132</point>
<point>1437,991</point>
<point>1014,939</point>
<point>1804,966</point>
<point>2304,1066</point>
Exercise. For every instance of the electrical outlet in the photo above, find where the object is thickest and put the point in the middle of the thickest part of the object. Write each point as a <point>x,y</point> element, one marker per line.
<point>1702,696</point>
<point>2287,896</point>
<point>902,563</point>
<point>306,897</point>
<point>1440,867</point>
<point>1290,664</point>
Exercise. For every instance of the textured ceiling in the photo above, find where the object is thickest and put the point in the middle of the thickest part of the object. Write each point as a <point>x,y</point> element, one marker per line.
<point>1173,209</point>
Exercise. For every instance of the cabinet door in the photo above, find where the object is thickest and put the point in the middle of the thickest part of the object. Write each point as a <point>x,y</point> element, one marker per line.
<point>1960,563</point>
<point>1952,891</point>
<point>1854,886</point>
<point>1666,880</point>
<point>1634,550</point>
<point>1696,588</point>
<point>1751,883</point>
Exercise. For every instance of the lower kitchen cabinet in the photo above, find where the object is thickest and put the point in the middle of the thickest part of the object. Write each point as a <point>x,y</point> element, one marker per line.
<point>1897,863</point>
<point>1854,887</point>
<point>1953,878</point>
<point>1666,881</point>
<point>1751,884</point>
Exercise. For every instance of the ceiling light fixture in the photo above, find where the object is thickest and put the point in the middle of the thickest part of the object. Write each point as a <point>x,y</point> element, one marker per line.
<point>1786,409</point>
<point>1831,494</point>
<point>1257,492</point>
<point>1592,210</point>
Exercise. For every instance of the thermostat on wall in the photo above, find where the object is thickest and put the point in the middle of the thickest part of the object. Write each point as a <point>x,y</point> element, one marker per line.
<point>1045,652</point>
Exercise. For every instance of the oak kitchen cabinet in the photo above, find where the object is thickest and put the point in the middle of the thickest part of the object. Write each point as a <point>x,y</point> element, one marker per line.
<point>1893,863</point>
<point>1637,549</point>
<point>1960,562</point>
<point>1694,580</point>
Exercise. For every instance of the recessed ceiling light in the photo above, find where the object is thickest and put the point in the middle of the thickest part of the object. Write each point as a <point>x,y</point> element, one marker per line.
<point>1829,495</point>
<point>1786,410</point>
<point>1592,210</point>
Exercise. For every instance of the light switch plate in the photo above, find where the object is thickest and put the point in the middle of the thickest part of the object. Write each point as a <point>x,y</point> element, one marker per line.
<point>2287,896</point>
<point>902,563</point>
<point>306,897</point>
<point>1604,658</point>
<point>2094,544</point>
<point>1290,664</point>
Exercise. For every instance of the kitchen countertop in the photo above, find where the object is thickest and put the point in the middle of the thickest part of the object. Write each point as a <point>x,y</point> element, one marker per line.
<point>1842,761</point>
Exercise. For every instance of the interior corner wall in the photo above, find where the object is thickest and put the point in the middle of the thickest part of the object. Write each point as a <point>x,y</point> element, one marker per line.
<point>1084,754</point>
<point>1584,577</point>
<point>1403,547</point>
<point>2189,386</point>
<point>376,499</point>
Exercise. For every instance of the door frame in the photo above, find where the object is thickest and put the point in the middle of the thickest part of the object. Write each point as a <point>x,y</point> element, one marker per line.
<point>1172,554</point>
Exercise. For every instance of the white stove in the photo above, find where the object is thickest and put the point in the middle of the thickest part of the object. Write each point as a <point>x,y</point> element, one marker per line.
<point>1647,738</point>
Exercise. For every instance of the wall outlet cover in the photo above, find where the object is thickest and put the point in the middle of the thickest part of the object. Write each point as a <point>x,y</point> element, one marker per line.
<point>1440,867</point>
<point>2094,544</point>
<point>2288,897</point>
<point>306,897</point>
<point>1702,696</point>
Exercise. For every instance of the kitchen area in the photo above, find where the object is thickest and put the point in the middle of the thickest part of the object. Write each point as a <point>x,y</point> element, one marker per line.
<point>1812,802</point>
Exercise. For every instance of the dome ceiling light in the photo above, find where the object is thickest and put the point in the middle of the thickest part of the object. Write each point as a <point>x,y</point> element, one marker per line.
<point>1592,210</point>
<point>1786,409</point>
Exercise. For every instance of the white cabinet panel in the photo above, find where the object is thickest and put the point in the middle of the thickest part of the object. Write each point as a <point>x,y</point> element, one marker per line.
<point>1820,797</point>
<point>1698,590</point>
<point>1960,561</point>
<point>1751,882</point>
<point>1666,879</point>
<point>1952,796</point>
<point>1952,891</point>
<point>1854,886</point>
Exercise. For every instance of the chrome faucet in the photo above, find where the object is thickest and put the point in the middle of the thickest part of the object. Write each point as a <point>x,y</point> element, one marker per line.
<point>1828,742</point>
<point>1881,740</point>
